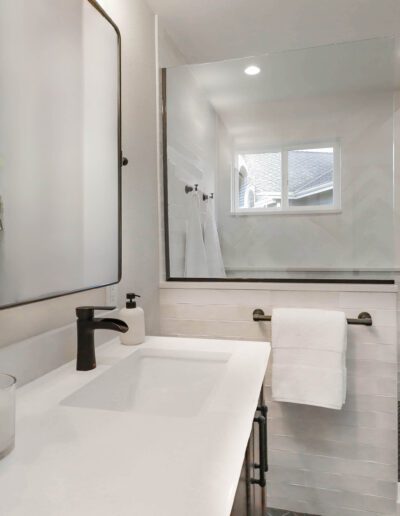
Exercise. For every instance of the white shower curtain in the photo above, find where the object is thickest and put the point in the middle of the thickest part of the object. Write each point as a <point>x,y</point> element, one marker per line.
<point>195,253</point>
<point>212,245</point>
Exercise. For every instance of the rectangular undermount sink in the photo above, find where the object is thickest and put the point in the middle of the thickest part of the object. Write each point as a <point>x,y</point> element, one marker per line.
<point>154,381</point>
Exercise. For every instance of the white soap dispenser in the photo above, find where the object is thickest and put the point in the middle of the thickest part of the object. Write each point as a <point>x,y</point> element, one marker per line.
<point>134,318</point>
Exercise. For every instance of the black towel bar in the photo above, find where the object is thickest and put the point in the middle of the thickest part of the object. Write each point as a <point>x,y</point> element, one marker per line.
<point>364,318</point>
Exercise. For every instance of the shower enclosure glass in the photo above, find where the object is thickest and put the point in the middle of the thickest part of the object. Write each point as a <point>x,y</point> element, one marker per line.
<point>300,159</point>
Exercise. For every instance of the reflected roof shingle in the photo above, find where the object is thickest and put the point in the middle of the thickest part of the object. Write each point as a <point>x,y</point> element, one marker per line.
<point>307,171</point>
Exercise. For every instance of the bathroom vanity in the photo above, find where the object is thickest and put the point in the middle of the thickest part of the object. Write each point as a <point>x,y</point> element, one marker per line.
<point>161,428</point>
<point>251,493</point>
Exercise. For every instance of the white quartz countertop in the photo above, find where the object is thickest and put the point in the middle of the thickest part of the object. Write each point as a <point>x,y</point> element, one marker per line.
<point>91,462</point>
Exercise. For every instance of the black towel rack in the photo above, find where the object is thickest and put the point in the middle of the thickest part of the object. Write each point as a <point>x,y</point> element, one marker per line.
<point>364,318</point>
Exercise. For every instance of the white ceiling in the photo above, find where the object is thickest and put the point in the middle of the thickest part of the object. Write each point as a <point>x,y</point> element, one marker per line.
<point>346,68</point>
<point>245,102</point>
<point>211,30</point>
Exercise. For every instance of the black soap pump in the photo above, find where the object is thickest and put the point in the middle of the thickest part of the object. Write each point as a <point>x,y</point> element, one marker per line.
<point>134,317</point>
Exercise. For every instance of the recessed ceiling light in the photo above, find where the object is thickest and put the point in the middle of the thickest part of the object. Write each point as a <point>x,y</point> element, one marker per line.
<point>252,70</point>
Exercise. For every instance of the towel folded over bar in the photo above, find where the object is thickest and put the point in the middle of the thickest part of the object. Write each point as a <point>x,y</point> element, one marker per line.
<point>309,357</point>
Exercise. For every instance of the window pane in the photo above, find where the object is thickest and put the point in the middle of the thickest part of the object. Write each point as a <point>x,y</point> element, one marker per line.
<point>260,180</point>
<point>310,177</point>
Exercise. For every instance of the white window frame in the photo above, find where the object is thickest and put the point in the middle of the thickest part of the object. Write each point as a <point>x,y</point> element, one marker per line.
<point>285,209</point>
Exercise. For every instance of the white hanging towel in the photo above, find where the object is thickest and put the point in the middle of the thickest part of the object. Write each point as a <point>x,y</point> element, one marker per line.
<point>309,357</point>
<point>195,253</point>
<point>212,245</point>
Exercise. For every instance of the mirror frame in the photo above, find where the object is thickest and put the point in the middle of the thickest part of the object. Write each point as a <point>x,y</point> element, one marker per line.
<point>121,162</point>
<point>168,277</point>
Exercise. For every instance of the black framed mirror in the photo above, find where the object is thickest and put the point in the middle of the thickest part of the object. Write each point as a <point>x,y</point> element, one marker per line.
<point>60,149</point>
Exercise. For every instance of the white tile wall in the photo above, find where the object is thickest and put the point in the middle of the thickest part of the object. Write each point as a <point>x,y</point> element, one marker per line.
<point>321,461</point>
<point>398,337</point>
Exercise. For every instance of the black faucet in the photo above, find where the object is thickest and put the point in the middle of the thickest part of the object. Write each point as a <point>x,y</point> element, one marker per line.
<point>86,324</point>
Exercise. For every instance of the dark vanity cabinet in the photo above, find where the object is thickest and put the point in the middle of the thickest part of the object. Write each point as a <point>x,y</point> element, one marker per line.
<point>250,499</point>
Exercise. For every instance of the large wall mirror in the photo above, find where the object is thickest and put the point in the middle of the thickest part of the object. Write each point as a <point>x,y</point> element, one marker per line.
<point>60,153</point>
<point>282,166</point>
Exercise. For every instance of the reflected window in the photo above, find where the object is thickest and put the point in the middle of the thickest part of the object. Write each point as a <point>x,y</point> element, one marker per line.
<point>311,177</point>
<point>250,198</point>
<point>242,186</point>
<point>302,178</point>
<point>263,180</point>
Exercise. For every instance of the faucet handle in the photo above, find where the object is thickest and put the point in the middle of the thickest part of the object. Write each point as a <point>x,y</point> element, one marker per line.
<point>87,312</point>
